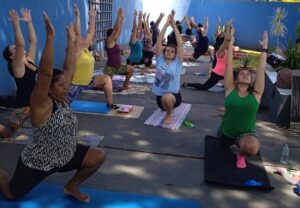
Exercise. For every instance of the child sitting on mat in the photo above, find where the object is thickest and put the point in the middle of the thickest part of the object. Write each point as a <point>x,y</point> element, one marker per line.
<point>242,99</point>
<point>168,68</point>
<point>54,147</point>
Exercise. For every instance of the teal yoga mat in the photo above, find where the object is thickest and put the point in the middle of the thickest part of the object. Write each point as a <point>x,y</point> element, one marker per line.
<point>51,196</point>
<point>89,107</point>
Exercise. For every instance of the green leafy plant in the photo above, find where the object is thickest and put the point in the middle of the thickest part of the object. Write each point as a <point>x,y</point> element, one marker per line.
<point>292,57</point>
<point>278,28</point>
<point>245,60</point>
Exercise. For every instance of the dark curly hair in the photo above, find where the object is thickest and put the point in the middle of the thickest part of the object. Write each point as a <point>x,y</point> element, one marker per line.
<point>56,74</point>
<point>6,54</point>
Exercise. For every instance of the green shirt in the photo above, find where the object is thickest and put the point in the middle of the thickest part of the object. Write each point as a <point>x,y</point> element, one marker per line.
<point>240,114</point>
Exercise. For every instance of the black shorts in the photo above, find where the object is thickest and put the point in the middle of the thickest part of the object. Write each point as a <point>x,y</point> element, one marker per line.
<point>227,141</point>
<point>199,52</point>
<point>188,31</point>
<point>147,58</point>
<point>26,178</point>
<point>177,103</point>
<point>148,54</point>
<point>132,63</point>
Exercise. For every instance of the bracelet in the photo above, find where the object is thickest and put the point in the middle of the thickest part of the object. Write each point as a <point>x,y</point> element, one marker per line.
<point>264,50</point>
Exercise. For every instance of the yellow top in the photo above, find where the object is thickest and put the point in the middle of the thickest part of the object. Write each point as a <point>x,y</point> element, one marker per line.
<point>84,69</point>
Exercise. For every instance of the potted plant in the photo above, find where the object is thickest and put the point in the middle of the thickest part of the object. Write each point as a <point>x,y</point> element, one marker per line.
<point>245,60</point>
<point>244,63</point>
<point>292,62</point>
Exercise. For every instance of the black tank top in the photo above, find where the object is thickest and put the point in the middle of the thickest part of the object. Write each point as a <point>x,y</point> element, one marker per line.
<point>25,85</point>
<point>202,42</point>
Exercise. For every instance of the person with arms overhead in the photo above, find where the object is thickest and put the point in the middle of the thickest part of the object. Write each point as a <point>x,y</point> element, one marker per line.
<point>200,43</point>
<point>113,51</point>
<point>218,71</point>
<point>147,44</point>
<point>242,98</point>
<point>168,69</point>
<point>22,68</point>
<point>54,147</point>
<point>84,74</point>
<point>135,44</point>
<point>154,28</point>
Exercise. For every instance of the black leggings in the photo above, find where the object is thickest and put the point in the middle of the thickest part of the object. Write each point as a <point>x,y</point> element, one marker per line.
<point>10,102</point>
<point>26,178</point>
<point>213,79</point>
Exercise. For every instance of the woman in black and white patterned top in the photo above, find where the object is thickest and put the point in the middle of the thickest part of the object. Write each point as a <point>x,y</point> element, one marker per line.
<point>54,147</point>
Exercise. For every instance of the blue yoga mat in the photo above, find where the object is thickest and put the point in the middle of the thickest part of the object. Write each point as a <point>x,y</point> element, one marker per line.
<point>89,107</point>
<point>51,196</point>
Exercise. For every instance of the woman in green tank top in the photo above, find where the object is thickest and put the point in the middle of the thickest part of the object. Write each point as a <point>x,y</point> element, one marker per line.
<point>242,98</point>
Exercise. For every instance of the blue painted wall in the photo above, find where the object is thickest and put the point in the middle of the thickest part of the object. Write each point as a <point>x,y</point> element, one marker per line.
<point>250,18</point>
<point>128,6</point>
<point>60,13</point>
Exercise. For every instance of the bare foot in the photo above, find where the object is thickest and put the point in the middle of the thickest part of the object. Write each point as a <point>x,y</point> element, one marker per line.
<point>168,120</point>
<point>4,185</point>
<point>221,108</point>
<point>5,132</point>
<point>77,194</point>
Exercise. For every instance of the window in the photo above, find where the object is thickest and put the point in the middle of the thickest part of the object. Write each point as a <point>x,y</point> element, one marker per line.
<point>103,20</point>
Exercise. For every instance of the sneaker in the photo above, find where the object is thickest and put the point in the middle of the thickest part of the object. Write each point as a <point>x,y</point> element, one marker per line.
<point>221,108</point>
<point>112,106</point>
<point>240,162</point>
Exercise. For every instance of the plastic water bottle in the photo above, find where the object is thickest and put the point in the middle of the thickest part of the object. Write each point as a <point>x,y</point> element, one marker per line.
<point>285,154</point>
